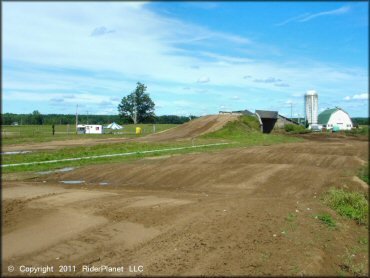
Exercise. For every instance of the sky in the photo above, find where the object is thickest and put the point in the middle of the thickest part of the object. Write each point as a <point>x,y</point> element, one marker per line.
<point>196,58</point>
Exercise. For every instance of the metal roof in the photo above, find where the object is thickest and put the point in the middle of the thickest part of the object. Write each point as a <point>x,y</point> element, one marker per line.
<point>244,112</point>
<point>267,114</point>
<point>325,115</point>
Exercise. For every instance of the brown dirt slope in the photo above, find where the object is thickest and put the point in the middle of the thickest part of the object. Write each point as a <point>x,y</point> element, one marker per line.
<point>193,128</point>
<point>244,211</point>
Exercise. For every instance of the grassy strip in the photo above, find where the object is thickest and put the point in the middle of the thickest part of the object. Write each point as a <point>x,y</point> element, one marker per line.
<point>43,133</point>
<point>353,205</point>
<point>105,160</point>
<point>363,173</point>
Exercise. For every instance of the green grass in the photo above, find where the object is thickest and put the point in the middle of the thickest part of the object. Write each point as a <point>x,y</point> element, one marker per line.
<point>295,129</point>
<point>349,264</point>
<point>362,130</point>
<point>327,219</point>
<point>43,133</point>
<point>353,205</point>
<point>363,173</point>
<point>103,149</point>
<point>246,132</point>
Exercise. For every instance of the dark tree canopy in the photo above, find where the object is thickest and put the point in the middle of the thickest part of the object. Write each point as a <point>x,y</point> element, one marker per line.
<point>137,106</point>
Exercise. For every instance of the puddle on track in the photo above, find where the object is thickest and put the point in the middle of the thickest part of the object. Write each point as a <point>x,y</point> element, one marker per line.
<point>72,182</point>
<point>62,170</point>
<point>16,152</point>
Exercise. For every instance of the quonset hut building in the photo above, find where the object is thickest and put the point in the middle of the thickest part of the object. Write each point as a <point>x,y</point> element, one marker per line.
<point>335,119</point>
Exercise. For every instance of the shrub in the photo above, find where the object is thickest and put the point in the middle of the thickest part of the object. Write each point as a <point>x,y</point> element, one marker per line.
<point>353,205</point>
<point>327,219</point>
<point>291,128</point>
<point>361,131</point>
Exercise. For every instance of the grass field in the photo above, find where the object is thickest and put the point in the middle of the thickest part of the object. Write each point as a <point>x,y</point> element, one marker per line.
<point>43,133</point>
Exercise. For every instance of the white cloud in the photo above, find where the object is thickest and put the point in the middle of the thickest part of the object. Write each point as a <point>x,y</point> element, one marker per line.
<point>363,96</point>
<point>203,79</point>
<point>309,16</point>
<point>339,11</point>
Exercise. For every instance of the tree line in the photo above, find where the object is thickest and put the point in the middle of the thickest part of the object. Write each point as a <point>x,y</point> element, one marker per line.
<point>36,118</point>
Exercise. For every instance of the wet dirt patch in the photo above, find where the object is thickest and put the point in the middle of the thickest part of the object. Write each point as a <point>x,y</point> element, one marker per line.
<point>30,191</point>
<point>157,201</point>
<point>69,197</point>
<point>73,182</point>
<point>62,170</point>
<point>47,231</point>
<point>16,152</point>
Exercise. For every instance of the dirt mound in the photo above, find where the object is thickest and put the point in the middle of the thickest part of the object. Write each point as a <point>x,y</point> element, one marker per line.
<point>193,128</point>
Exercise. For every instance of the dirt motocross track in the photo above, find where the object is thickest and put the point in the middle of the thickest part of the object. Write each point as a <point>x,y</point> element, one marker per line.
<point>188,130</point>
<point>193,128</point>
<point>246,211</point>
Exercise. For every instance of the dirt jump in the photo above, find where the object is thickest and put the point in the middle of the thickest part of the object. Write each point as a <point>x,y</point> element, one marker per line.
<point>188,130</point>
<point>244,211</point>
<point>192,128</point>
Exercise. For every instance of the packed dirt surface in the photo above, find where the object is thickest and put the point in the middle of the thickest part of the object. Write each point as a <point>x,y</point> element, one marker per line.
<point>193,128</point>
<point>245,211</point>
<point>53,145</point>
<point>188,130</point>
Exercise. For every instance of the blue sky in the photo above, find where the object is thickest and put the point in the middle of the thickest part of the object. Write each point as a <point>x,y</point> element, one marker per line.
<point>195,57</point>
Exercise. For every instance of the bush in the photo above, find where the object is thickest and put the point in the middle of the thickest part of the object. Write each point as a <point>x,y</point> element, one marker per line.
<point>291,128</point>
<point>353,205</point>
<point>361,131</point>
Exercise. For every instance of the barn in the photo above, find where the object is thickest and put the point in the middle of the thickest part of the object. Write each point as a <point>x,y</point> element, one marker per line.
<point>335,119</point>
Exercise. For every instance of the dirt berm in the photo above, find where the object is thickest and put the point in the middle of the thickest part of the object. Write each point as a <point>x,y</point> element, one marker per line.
<point>192,129</point>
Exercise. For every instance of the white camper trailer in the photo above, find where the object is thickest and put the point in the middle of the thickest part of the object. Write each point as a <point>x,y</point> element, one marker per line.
<point>89,129</point>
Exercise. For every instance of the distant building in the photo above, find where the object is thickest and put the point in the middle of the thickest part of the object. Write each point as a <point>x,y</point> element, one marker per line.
<point>282,121</point>
<point>89,129</point>
<point>335,119</point>
<point>311,103</point>
<point>244,112</point>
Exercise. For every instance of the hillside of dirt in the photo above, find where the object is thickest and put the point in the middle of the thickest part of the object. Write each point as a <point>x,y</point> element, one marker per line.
<point>244,211</point>
<point>192,129</point>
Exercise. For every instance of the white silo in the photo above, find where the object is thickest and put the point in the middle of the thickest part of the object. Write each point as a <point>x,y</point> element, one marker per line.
<point>311,102</point>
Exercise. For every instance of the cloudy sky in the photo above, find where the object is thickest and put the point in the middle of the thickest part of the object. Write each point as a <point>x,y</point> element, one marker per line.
<point>195,57</point>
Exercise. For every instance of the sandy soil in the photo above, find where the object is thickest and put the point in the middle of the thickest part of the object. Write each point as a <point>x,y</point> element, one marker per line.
<point>192,129</point>
<point>188,130</point>
<point>222,213</point>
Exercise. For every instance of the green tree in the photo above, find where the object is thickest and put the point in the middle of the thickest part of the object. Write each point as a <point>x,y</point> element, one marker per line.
<point>36,118</point>
<point>137,106</point>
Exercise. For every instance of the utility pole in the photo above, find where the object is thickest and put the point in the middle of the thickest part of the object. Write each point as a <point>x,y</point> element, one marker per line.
<point>87,117</point>
<point>76,117</point>
<point>291,111</point>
